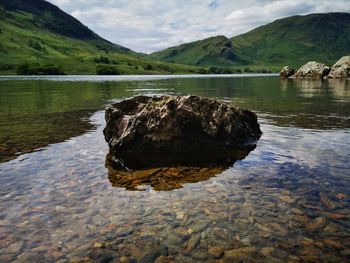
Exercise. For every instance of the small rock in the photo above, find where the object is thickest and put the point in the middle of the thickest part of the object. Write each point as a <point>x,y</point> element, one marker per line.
<point>182,233</point>
<point>266,251</point>
<point>237,255</point>
<point>287,199</point>
<point>327,202</point>
<point>333,243</point>
<point>264,234</point>
<point>286,72</point>
<point>150,256</point>
<point>279,230</point>
<point>296,211</point>
<point>216,251</point>
<point>341,196</point>
<point>301,218</point>
<point>318,223</point>
<point>336,216</point>
<point>180,215</point>
<point>312,70</point>
<point>99,245</point>
<point>200,255</point>
<point>193,242</point>
<point>124,259</point>
<point>341,69</point>
<point>212,190</point>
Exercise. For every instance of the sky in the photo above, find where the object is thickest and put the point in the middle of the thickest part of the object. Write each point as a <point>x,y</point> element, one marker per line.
<point>152,25</point>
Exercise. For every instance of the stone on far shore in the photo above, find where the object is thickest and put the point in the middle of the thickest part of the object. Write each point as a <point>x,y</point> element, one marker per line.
<point>312,70</point>
<point>341,69</point>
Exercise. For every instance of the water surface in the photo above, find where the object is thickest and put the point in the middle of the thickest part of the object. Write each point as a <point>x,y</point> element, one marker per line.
<point>287,200</point>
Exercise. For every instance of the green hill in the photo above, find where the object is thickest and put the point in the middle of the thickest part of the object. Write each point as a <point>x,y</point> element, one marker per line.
<point>293,41</point>
<point>37,33</point>
<point>218,51</point>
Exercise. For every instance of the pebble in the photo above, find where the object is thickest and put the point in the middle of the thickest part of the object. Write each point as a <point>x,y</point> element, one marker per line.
<point>124,259</point>
<point>150,256</point>
<point>287,199</point>
<point>266,251</point>
<point>240,253</point>
<point>200,255</point>
<point>336,216</point>
<point>327,202</point>
<point>317,223</point>
<point>296,211</point>
<point>333,243</point>
<point>216,252</point>
<point>182,233</point>
<point>279,230</point>
<point>14,248</point>
<point>341,196</point>
<point>193,242</point>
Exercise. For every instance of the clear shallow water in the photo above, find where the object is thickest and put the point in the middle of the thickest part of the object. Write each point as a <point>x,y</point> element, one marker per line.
<point>287,200</point>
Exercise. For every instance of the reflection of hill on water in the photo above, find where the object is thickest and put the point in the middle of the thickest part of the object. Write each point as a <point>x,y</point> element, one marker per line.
<point>171,175</point>
<point>29,132</point>
<point>312,104</point>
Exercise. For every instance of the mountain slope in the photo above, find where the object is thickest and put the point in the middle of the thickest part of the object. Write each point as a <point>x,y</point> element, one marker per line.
<point>37,32</point>
<point>210,51</point>
<point>293,40</point>
<point>297,39</point>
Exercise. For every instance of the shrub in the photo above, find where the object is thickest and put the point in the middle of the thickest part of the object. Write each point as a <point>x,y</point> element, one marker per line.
<point>102,60</point>
<point>107,70</point>
<point>36,69</point>
<point>148,67</point>
<point>34,44</point>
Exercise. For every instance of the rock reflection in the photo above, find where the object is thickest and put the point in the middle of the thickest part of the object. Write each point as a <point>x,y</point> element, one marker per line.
<point>171,174</point>
<point>340,88</point>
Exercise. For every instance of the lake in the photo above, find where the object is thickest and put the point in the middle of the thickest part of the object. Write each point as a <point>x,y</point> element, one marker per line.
<point>288,200</point>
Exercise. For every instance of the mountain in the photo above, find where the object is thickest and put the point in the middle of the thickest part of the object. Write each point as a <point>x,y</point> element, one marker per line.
<point>292,40</point>
<point>217,51</point>
<point>36,32</point>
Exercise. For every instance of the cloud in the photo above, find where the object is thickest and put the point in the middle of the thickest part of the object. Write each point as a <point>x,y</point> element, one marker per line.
<point>151,25</point>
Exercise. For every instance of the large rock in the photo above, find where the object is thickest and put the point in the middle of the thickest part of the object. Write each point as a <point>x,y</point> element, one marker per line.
<point>341,69</point>
<point>312,70</point>
<point>286,72</point>
<point>169,130</point>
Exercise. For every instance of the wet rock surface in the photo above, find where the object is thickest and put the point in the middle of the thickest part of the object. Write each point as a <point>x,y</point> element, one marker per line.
<point>312,70</point>
<point>187,130</point>
<point>341,69</point>
<point>286,72</point>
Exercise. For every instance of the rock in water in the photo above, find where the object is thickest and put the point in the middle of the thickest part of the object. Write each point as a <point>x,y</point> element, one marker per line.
<point>341,69</point>
<point>286,72</point>
<point>179,130</point>
<point>312,70</point>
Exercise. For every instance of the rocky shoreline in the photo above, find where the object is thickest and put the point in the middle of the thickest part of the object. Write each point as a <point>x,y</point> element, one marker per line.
<point>315,70</point>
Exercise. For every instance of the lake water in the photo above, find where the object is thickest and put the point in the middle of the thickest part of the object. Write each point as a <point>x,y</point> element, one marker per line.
<point>287,201</point>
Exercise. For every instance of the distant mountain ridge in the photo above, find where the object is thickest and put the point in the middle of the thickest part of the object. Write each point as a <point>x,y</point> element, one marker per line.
<point>292,40</point>
<point>36,37</point>
<point>49,17</point>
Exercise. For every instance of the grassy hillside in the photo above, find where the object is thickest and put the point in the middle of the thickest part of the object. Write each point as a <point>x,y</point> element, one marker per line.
<point>216,51</point>
<point>293,41</point>
<point>38,33</point>
<point>296,40</point>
